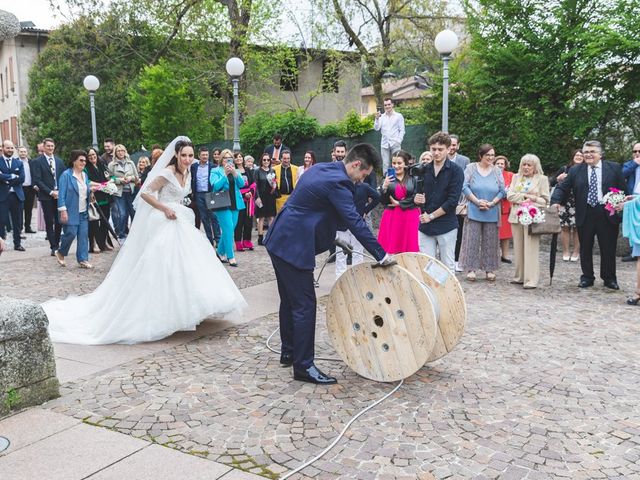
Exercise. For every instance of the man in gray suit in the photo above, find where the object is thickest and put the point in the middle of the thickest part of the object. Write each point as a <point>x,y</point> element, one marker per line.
<point>462,162</point>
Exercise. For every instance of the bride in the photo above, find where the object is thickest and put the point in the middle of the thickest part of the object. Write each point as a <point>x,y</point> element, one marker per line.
<point>183,280</point>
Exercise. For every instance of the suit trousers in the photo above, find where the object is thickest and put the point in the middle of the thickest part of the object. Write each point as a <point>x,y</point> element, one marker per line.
<point>297,312</point>
<point>29,200</point>
<point>52,222</point>
<point>208,219</point>
<point>461,219</point>
<point>13,207</point>
<point>597,224</point>
<point>526,255</point>
<point>80,233</point>
<point>227,219</point>
<point>243,227</point>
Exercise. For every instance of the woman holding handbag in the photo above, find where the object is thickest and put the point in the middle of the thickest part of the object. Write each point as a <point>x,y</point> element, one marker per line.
<point>242,232</point>
<point>226,178</point>
<point>530,185</point>
<point>98,229</point>
<point>73,201</point>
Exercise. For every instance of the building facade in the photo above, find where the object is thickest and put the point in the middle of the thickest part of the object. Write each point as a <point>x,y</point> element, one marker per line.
<point>17,56</point>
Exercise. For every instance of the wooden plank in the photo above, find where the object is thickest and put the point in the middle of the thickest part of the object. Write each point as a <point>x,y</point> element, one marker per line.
<point>381,322</point>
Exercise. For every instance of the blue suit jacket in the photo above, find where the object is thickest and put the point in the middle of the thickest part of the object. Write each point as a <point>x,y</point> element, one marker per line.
<point>42,178</point>
<point>321,204</point>
<point>629,172</point>
<point>194,179</point>
<point>220,182</point>
<point>69,195</point>
<point>6,182</point>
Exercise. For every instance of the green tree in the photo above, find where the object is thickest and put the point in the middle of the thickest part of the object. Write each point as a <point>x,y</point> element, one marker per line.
<point>58,104</point>
<point>169,104</point>
<point>542,77</point>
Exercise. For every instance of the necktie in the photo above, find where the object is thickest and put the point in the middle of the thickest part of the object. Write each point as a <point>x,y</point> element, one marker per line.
<point>53,172</point>
<point>592,196</point>
<point>8,163</point>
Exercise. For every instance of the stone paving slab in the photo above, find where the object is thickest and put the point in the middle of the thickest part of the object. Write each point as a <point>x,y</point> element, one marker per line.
<point>544,384</point>
<point>72,454</point>
<point>31,426</point>
<point>160,463</point>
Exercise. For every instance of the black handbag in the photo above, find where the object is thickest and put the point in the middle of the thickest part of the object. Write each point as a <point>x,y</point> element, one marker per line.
<point>217,200</point>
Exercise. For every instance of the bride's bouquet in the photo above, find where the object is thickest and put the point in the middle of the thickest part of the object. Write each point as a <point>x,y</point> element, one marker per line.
<point>529,213</point>
<point>612,199</point>
<point>108,187</point>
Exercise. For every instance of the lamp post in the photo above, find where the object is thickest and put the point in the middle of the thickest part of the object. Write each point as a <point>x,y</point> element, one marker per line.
<point>446,42</point>
<point>235,68</point>
<point>91,83</point>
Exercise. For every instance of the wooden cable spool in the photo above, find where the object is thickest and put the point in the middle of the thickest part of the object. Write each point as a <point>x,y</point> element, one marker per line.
<point>452,312</point>
<point>386,323</point>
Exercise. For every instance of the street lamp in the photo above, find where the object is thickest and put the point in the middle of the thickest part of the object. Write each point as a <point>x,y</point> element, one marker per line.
<point>446,42</point>
<point>91,83</point>
<point>235,68</point>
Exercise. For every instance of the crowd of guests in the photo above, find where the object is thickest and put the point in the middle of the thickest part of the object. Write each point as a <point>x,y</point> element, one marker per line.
<point>443,204</point>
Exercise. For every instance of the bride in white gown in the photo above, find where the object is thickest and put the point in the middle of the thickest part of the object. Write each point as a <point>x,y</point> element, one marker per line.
<point>182,279</point>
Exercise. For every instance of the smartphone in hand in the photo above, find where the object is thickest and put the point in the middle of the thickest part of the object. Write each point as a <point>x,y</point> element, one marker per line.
<point>391,172</point>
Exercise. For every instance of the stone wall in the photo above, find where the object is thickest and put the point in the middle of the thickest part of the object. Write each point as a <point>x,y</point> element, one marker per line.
<point>27,363</point>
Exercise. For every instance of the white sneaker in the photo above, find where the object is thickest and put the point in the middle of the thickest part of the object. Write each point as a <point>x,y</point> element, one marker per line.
<point>458,269</point>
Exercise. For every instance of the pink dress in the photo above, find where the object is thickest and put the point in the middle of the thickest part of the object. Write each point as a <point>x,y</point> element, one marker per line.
<point>399,228</point>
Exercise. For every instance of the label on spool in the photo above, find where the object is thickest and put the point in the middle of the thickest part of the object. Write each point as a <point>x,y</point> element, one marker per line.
<point>439,273</point>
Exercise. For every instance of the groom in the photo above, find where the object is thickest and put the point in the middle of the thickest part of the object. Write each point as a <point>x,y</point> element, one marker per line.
<point>320,205</point>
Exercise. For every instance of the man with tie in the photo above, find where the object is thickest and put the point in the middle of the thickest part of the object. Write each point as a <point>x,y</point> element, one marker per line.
<point>11,194</point>
<point>590,181</point>
<point>27,187</point>
<point>45,173</point>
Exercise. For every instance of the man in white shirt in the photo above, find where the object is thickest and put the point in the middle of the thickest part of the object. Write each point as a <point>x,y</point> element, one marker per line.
<point>27,188</point>
<point>391,125</point>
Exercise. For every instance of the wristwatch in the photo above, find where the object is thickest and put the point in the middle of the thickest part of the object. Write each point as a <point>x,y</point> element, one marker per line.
<point>431,216</point>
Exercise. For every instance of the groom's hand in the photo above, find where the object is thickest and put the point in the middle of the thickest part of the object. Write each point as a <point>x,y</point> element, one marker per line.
<point>387,261</point>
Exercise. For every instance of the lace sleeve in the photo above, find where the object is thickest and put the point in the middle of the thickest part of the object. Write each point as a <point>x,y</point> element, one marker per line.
<point>155,185</point>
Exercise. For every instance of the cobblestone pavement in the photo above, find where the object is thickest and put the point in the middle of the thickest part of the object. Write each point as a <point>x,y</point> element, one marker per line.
<point>544,384</point>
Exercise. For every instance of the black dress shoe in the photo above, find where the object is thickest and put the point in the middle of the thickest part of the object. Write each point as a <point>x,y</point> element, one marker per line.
<point>19,248</point>
<point>505,260</point>
<point>313,375</point>
<point>585,283</point>
<point>612,284</point>
<point>286,359</point>
<point>629,258</point>
<point>29,231</point>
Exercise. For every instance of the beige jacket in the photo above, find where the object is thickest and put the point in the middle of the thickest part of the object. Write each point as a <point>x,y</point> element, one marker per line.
<point>537,185</point>
<point>117,171</point>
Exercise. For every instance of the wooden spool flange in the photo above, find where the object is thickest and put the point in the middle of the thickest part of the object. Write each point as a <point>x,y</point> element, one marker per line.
<point>452,311</point>
<point>381,321</point>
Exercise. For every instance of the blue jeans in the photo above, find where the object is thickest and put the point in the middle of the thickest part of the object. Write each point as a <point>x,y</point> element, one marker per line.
<point>123,211</point>
<point>79,232</point>
<point>227,219</point>
<point>208,218</point>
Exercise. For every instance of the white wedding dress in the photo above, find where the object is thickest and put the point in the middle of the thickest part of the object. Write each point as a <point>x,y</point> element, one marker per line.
<point>166,278</point>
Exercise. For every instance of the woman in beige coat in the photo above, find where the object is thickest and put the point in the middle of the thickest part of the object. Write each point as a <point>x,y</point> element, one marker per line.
<point>529,185</point>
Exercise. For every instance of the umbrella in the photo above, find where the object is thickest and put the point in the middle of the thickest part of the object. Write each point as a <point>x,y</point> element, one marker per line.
<point>552,256</point>
<point>106,220</point>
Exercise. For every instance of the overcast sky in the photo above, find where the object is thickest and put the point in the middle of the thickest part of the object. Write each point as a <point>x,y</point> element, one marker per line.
<point>38,11</point>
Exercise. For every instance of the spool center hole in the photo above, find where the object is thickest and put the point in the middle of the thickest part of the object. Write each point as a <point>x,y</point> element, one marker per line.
<point>377,319</point>
<point>388,300</point>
